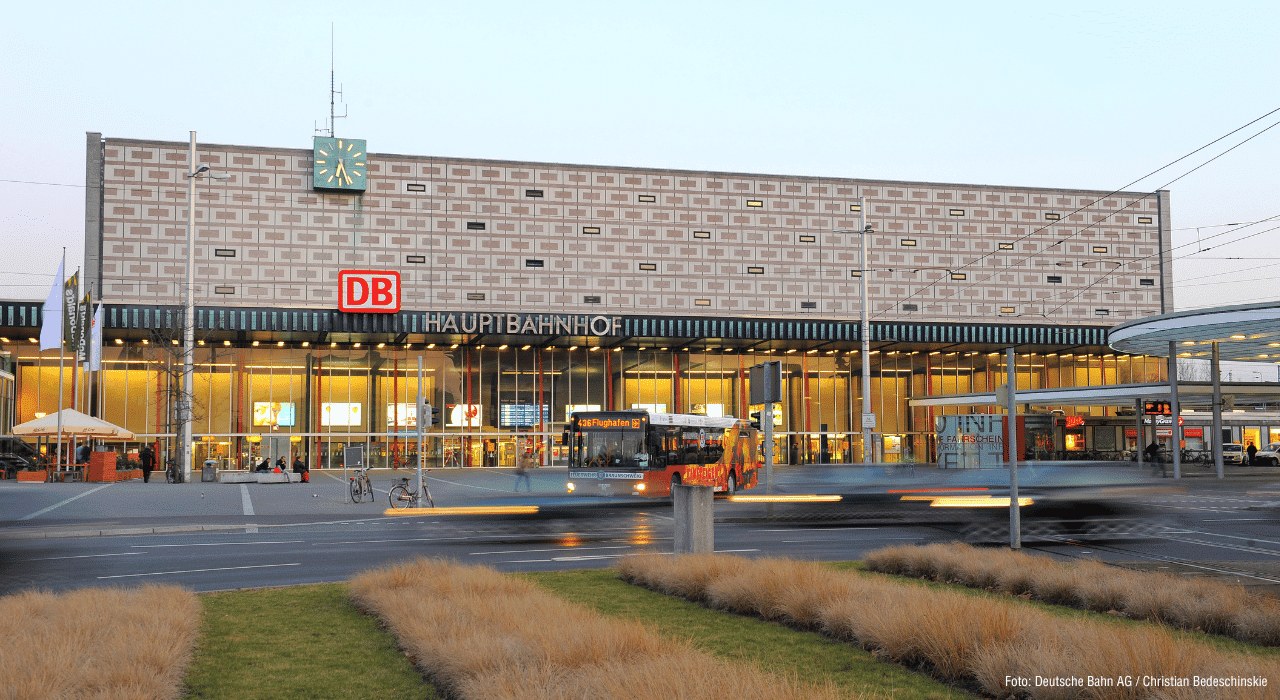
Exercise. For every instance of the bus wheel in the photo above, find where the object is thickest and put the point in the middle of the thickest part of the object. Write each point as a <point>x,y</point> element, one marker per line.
<point>731,486</point>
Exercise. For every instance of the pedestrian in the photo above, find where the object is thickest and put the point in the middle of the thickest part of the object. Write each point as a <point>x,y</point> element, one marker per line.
<point>83,451</point>
<point>1253,451</point>
<point>148,458</point>
<point>280,468</point>
<point>522,473</point>
<point>1153,454</point>
<point>265,466</point>
<point>300,467</point>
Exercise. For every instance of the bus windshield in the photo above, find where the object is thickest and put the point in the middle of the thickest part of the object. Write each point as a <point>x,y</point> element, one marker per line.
<point>612,449</point>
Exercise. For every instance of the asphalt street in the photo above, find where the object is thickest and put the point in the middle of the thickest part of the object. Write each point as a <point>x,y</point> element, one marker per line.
<point>212,536</point>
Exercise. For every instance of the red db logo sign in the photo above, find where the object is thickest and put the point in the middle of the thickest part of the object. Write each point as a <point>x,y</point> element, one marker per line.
<point>369,291</point>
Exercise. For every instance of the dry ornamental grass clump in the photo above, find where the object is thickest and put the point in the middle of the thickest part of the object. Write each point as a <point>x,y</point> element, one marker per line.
<point>101,643</point>
<point>1212,607</point>
<point>965,639</point>
<point>482,636</point>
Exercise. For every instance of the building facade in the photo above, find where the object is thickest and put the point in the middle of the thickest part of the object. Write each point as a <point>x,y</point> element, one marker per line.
<point>530,290</point>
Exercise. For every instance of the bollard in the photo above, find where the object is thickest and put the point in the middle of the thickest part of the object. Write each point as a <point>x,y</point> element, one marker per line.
<point>694,515</point>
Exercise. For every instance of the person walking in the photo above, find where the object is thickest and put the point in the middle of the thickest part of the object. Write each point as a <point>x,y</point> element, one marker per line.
<point>522,472</point>
<point>1253,452</point>
<point>1153,455</point>
<point>148,459</point>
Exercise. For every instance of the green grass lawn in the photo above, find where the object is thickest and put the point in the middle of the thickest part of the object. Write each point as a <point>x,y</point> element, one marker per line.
<point>297,643</point>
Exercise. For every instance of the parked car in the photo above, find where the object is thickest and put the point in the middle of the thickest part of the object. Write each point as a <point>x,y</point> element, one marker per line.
<point>1233,453</point>
<point>1268,455</point>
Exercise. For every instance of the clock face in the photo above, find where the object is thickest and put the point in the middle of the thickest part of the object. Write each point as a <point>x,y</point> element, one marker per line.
<point>339,164</point>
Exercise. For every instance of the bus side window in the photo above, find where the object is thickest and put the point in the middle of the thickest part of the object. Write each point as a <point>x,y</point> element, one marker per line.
<point>715,447</point>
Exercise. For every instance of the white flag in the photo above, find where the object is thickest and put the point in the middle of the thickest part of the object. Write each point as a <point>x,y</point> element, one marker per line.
<point>95,342</point>
<point>51,327</point>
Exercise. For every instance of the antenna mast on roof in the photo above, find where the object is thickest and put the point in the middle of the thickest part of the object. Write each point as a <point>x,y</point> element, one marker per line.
<point>333,93</point>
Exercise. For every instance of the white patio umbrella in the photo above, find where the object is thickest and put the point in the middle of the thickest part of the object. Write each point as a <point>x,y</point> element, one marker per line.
<point>73,423</point>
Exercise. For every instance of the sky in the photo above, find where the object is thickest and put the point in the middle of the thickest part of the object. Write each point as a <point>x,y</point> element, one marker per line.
<point>1074,95</point>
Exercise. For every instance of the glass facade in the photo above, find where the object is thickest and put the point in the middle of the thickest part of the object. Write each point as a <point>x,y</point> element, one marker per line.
<point>500,402</point>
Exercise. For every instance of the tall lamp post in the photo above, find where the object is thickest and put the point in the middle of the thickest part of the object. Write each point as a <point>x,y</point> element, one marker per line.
<point>188,318</point>
<point>868,416</point>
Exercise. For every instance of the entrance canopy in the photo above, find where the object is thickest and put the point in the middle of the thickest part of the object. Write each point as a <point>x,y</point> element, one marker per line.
<point>73,423</point>
<point>1249,333</point>
<point>1190,395</point>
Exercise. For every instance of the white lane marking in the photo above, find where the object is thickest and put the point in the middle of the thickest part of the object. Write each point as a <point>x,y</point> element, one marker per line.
<point>604,556</point>
<point>1234,547</point>
<point>1231,537</point>
<point>820,529</point>
<point>88,556</point>
<point>864,539</point>
<point>1233,520</point>
<point>212,544</point>
<point>200,571</point>
<point>247,503</point>
<point>62,503</point>
<point>557,549</point>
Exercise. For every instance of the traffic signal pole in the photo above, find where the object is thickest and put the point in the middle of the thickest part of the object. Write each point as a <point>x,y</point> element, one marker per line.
<point>422,455</point>
<point>766,422</point>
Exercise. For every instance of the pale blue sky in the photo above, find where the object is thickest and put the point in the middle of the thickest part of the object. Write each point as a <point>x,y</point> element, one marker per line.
<point>1089,95</point>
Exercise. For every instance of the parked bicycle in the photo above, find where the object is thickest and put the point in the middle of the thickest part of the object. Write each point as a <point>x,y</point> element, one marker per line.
<point>360,485</point>
<point>171,473</point>
<point>403,497</point>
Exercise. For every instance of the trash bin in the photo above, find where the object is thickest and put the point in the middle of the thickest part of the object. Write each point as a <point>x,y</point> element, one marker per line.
<point>210,470</point>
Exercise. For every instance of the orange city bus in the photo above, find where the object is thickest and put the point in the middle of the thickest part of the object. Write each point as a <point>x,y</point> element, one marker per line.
<point>643,454</point>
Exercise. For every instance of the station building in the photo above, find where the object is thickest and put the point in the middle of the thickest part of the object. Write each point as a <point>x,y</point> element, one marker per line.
<point>530,290</point>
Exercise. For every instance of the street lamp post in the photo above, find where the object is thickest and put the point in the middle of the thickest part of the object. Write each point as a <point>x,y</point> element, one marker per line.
<point>868,416</point>
<point>188,318</point>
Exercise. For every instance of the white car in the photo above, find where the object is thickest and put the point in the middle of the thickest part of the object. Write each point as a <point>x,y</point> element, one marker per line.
<point>1233,453</point>
<point>1268,455</point>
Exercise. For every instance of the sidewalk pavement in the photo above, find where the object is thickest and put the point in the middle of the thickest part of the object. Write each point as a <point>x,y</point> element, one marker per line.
<point>38,510</point>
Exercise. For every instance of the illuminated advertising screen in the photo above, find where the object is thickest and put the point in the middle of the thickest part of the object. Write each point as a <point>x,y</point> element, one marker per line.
<point>270,414</point>
<point>465,415</point>
<point>402,415</point>
<point>340,414</point>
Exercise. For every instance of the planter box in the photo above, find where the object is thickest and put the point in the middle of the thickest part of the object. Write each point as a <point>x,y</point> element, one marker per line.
<point>40,476</point>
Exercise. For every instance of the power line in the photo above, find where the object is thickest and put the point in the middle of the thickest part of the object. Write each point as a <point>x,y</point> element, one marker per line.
<point>50,184</point>
<point>1095,201</point>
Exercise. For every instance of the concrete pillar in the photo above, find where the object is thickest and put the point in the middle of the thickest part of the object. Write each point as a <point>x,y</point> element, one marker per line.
<point>694,514</point>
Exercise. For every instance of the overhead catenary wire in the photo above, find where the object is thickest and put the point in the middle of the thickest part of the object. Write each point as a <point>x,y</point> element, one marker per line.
<point>1092,225</point>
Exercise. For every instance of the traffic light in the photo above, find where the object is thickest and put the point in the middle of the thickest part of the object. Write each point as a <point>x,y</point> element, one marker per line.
<point>427,416</point>
<point>755,419</point>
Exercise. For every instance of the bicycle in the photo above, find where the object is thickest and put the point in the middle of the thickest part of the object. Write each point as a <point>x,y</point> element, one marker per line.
<point>402,497</point>
<point>360,485</point>
<point>171,474</point>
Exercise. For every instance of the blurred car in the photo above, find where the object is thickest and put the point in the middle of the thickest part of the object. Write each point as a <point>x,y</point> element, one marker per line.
<point>1268,455</point>
<point>1233,453</point>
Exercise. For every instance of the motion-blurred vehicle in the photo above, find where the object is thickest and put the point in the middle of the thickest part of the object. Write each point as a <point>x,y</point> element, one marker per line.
<point>1268,455</point>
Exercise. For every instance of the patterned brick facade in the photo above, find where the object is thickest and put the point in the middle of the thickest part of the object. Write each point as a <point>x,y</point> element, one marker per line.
<point>473,235</point>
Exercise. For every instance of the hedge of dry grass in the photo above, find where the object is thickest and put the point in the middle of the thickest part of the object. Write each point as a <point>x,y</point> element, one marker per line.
<point>481,635</point>
<point>965,639</point>
<point>1191,604</point>
<point>100,643</point>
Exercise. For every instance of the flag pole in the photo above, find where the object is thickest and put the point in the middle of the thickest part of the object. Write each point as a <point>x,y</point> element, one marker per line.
<point>61,357</point>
